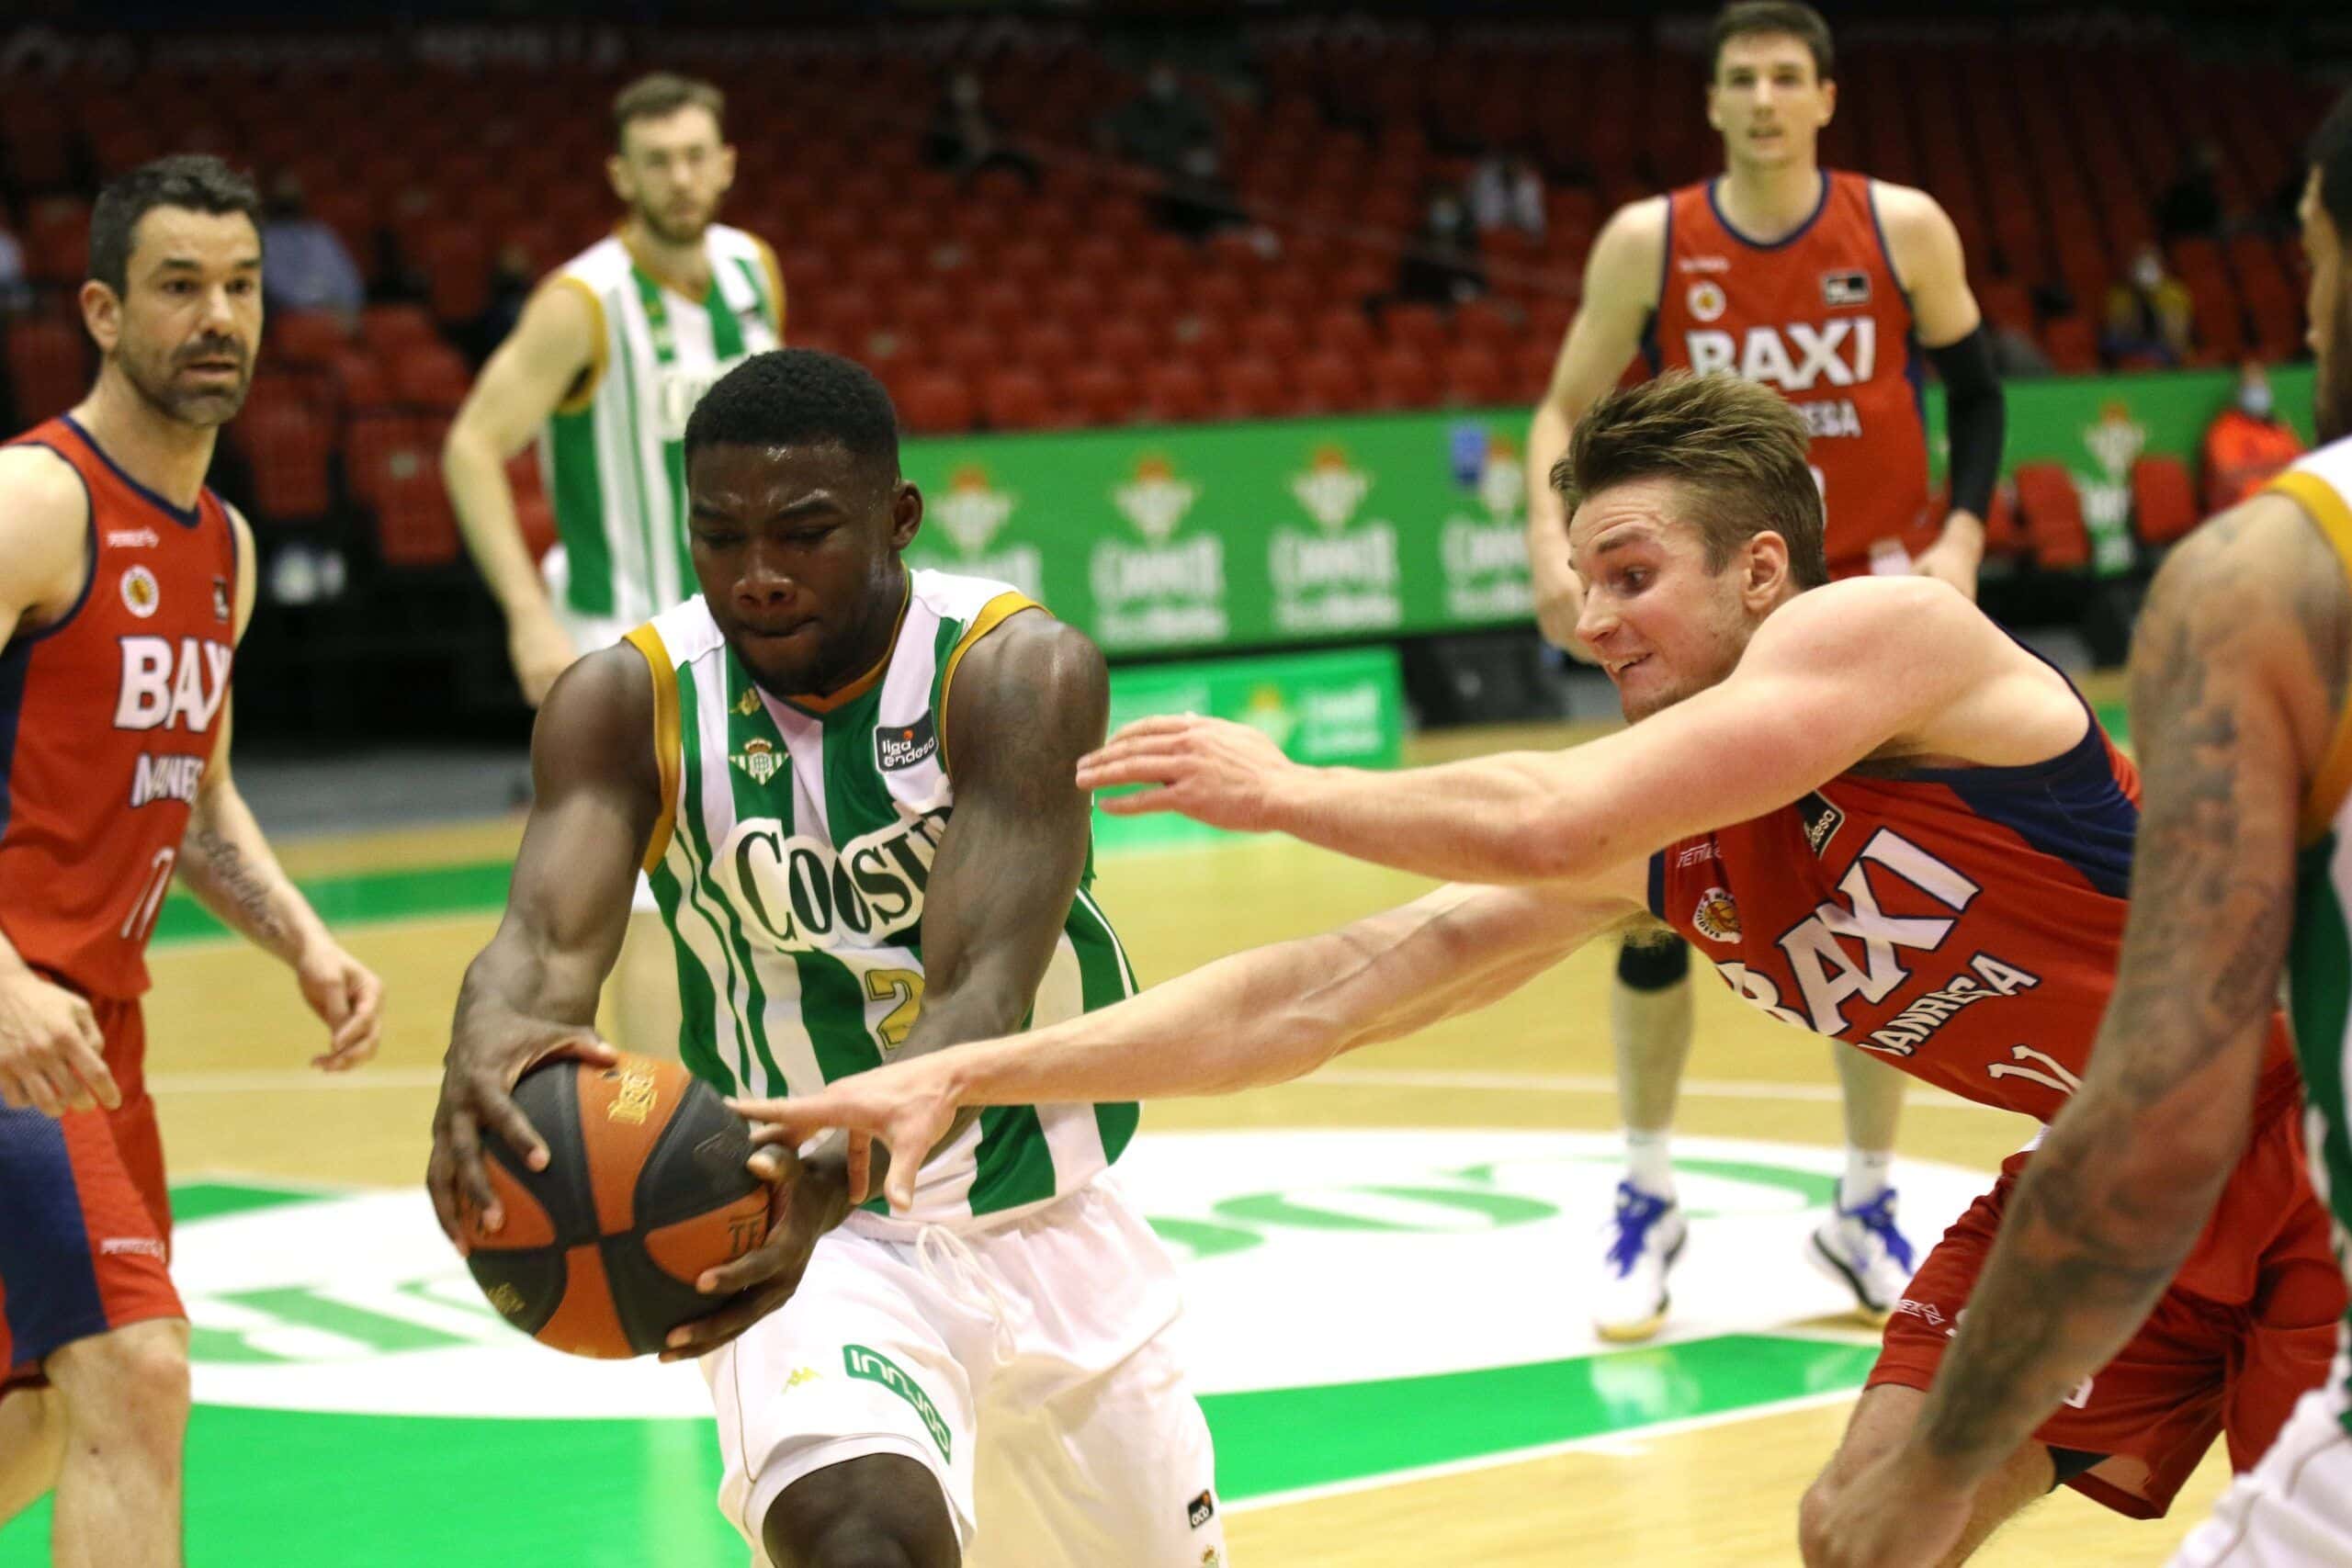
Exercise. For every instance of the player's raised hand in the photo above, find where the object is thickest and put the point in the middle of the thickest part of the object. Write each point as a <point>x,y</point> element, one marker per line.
<point>1210,770</point>
<point>1903,1511</point>
<point>349,998</point>
<point>541,650</point>
<point>909,1106</point>
<point>53,1053</point>
<point>489,1055</point>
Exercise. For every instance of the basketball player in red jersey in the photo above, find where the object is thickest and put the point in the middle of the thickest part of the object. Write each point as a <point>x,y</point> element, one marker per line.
<point>124,587</point>
<point>1823,286</point>
<point>1883,818</point>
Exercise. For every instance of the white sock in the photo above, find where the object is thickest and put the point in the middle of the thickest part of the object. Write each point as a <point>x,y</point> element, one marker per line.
<point>1867,1175</point>
<point>1649,1162</point>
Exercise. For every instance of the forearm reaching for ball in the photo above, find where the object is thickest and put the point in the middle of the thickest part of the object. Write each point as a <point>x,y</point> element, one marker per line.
<point>1260,1016</point>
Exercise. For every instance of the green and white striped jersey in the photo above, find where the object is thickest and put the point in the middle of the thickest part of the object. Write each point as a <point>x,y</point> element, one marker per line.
<point>790,863</point>
<point>2319,954</point>
<point>613,454</point>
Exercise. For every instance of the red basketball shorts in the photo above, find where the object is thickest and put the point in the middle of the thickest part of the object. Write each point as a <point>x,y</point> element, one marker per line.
<point>86,1224</point>
<point>2248,1326</point>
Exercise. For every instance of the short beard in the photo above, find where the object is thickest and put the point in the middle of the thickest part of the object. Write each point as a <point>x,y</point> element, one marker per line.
<point>205,409</point>
<point>667,235</point>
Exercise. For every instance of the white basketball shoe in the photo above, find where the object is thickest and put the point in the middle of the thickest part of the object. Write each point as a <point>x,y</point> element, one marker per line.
<point>1645,1237</point>
<point>1862,1249</point>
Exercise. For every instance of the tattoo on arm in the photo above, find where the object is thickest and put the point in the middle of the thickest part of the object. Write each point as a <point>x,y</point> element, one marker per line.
<point>221,868</point>
<point>2115,1200</point>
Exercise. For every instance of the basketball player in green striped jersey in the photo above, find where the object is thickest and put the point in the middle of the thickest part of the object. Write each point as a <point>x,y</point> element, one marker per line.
<point>851,785</point>
<point>610,356</point>
<point>2242,717</point>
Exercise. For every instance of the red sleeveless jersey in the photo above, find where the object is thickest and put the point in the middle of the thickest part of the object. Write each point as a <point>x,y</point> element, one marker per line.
<point>1963,924</point>
<point>1820,318</point>
<point>107,721</point>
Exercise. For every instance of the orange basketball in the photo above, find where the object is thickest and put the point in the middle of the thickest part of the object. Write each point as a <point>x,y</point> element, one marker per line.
<point>645,1187</point>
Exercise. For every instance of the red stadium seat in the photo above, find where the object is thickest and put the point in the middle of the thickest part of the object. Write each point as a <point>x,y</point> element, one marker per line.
<point>2163,498</point>
<point>288,445</point>
<point>1175,392</point>
<point>358,380</point>
<point>2052,510</point>
<point>972,348</point>
<point>1473,376</point>
<point>1047,347</point>
<point>2072,344</point>
<point>934,402</point>
<point>1100,393</point>
<point>1418,327</point>
<point>1400,378</point>
<point>1015,398</point>
<point>1251,387</point>
<point>1328,383</point>
<point>1126,342</point>
<point>394,462</point>
<point>307,337</point>
<point>386,328</point>
<point>1272,333</point>
<point>1485,322</point>
<point>430,376</point>
<point>48,368</point>
<point>1344,330</point>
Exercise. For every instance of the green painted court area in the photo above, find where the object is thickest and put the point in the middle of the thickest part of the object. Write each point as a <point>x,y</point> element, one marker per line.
<point>273,1489</point>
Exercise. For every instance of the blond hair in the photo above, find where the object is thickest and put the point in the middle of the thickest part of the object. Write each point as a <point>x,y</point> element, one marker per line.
<point>1737,449</point>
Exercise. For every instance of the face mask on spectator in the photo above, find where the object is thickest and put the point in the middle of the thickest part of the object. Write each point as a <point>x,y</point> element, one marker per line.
<point>2254,399</point>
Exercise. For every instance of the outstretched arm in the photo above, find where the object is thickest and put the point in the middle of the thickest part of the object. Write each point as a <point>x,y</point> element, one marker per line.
<point>1831,677</point>
<point>1259,1017</point>
<point>2237,675</point>
<point>1927,252</point>
<point>531,994</point>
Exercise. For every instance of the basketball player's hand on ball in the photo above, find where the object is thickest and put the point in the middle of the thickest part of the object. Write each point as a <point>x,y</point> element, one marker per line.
<point>53,1055</point>
<point>541,650</point>
<point>1903,1511</point>
<point>808,1199</point>
<point>1210,770</point>
<point>348,998</point>
<point>911,1106</point>
<point>493,1049</point>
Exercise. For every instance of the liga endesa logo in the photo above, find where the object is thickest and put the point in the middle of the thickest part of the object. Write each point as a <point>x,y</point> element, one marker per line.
<point>1474,1245</point>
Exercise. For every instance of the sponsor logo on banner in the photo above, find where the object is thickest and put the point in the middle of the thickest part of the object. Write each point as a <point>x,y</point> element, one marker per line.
<point>1483,555</point>
<point>1167,592</point>
<point>1344,576</point>
<point>973,513</point>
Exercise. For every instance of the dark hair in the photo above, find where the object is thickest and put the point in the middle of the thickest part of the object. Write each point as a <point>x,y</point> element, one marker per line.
<point>2331,154</point>
<point>659,96</point>
<point>197,181</point>
<point>1738,447</point>
<point>796,397</point>
<point>1747,17</point>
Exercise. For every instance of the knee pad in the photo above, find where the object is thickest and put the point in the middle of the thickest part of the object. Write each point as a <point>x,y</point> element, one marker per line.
<point>1653,962</point>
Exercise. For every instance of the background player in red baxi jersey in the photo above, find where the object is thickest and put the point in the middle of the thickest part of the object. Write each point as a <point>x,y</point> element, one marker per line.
<point>1885,819</point>
<point>1835,290</point>
<point>124,587</point>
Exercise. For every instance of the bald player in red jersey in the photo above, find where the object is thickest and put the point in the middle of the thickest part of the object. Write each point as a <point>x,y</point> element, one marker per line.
<point>1833,289</point>
<point>1886,818</point>
<point>124,587</point>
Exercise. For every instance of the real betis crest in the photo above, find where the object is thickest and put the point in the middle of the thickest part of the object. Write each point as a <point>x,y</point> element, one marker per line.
<point>759,759</point>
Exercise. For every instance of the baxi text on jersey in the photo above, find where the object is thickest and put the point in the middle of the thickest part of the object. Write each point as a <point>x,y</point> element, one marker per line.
<point>1797,357</point>
<point>802,893</point>
<point>168,683</point>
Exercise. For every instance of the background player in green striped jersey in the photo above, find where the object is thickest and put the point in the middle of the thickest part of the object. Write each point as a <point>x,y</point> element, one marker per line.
<point>610,356</point>
<point>852,784</point>
<point>2240,667</point>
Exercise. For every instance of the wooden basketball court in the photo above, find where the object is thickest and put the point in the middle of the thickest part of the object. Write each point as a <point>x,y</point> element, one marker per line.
<point>230,1041</point>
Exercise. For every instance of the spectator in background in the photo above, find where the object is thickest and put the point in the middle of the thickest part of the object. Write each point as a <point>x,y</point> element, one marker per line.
<point>1506,192</point>
<point>2148,315</point>
<point>2015,353</point>
<point>16,293</point>
<point>2192,203</point>
<point>2248,442</point>
<point>1441,267</point>
<point>304,265</point>
<point>1172,134</point>
<point>965,137</point>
